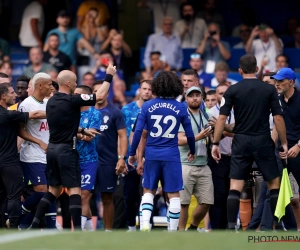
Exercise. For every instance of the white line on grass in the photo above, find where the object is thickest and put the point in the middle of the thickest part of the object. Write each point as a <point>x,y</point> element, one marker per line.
<point>25,235</point>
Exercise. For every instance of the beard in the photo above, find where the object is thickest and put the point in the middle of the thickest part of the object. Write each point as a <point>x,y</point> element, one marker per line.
<point>195,105</point>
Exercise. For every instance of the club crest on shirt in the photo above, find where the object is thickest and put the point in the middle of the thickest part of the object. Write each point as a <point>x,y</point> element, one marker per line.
<point>86,120</point>
<point>222,102</point>
<point>22,109</point>
<point>85,97</point>
<point>105,118</point>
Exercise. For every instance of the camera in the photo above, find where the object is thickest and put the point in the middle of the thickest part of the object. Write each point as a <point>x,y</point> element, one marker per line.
<point>212,33</point>
<point>207,125</point>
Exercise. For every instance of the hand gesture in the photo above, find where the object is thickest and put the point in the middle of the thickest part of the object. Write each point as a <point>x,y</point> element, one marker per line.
<point>191,157</point>
<point>215,152</point>
<point>293,151</point>
<point>121,167</point>
<point>111,69</point>
<point>206,35</point>
<point>205,132</point>
<point>112,33</point>
<point>216,37</point>
<point>131,160</point>
<point>264,62</point>
<point>269,31</point>
<point>90,132</point>
<point>284,154</point>
<point>255,31</point>
<point>212,121</point>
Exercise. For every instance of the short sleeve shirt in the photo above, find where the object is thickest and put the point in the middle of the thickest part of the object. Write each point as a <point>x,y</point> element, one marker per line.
<point>252,101</point>
<point>61,61</point>
<point>63,115</point>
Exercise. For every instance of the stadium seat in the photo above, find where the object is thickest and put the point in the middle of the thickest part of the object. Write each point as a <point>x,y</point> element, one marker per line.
<point>294,57</point>
<point>233,62</point>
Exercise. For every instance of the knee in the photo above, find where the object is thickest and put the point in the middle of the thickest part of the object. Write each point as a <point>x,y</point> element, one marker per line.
<point>107,198</point>
<point>295,203</point>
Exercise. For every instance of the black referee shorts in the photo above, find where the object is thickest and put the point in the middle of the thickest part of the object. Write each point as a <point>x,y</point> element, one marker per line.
<point>63,166</point>
<point>246,149</point>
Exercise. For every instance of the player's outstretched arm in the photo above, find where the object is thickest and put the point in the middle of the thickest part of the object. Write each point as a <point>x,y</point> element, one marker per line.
<point>39,114</point>
<point>103,90</point>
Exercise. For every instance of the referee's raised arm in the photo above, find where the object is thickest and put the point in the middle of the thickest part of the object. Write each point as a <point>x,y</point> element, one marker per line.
<point>102,91</point>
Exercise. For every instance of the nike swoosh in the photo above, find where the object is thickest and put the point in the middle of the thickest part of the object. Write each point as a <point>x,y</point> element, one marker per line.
<point>110,187</point>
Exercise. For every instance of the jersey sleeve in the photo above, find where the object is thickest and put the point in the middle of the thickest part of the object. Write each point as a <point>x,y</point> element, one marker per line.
<point>17,116</point>
<point>276,108</point>
<point>96,120</point>
<point>226,102</point>
<point>83,100</point>
<point>119,120</point>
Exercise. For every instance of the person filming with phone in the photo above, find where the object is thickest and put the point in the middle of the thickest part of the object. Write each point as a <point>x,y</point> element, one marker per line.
<point>213,48</point>
<point>265,48</point>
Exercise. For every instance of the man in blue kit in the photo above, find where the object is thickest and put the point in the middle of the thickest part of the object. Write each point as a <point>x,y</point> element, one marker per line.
<point>161,117</point>
<point>132,179</point>
<point>91,118</point>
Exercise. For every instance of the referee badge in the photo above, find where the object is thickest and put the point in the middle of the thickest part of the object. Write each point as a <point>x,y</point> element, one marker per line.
<point>222,102</point>
<point>85,97</point>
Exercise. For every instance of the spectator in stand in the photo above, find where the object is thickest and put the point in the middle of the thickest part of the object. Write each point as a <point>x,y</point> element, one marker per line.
<point>266,47</point>
<point>69,37</point>
<point>196,63</point>
<point>93,33</point>
<point>167,43</point>
<point>120,50</point>
<point>221,76</point>
<point>158,64</point>
<point>119,89</point>
<point>295,44</point>
<point>88,79</point>
<point>4,50</point>
<point>3,78</point>
<point>161,9</point>
<point>212,48</point>
<point>190,29</point>
<point>103,13</point>
<point>210,16</point>
<point>32,25</point>
<point>291,26</point>
<point>56,58</point>
<point>267,78</point>
<point>211,99</point>
<point>37,64</point>
<point>245,32</point>
<point>7,68</point>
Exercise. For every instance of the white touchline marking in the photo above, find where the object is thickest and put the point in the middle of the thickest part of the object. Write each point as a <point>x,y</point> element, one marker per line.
<point>25,235</point>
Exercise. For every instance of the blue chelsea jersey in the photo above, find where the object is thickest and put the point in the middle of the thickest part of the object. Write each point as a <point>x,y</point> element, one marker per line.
<point>90,118</point>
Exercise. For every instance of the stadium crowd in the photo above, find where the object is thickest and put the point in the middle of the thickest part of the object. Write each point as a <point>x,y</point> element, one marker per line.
<point>77,60</point>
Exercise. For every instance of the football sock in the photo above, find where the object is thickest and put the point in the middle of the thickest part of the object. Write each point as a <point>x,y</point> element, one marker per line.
<point>42,208</point>
<point>233,203</point>
<point>89,224</point>
<point>174,213</point>
<point>141,215</point>
<point>51,216</point>
<point>273,202</point>
<point>75,210</point>
<point>83,221</point>
<point>147,208</point>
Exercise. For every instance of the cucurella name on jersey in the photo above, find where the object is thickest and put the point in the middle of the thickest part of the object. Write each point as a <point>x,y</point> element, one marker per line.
<point>163,105</point>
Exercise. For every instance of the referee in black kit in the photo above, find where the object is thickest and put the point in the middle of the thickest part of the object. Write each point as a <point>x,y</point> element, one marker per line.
<point>63,115</point>
<point>252,101</point>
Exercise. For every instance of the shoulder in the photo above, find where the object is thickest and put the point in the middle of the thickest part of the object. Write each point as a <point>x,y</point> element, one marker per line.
<point>200,21</point>
<point>226,44</point>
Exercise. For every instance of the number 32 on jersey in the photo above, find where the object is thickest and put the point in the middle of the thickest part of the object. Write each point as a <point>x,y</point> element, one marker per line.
<point>158,125</point>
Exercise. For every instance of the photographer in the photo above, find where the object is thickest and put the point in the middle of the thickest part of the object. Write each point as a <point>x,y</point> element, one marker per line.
<point>212,48</point>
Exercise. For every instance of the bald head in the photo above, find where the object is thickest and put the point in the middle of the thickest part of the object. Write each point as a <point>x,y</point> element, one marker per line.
<point>67,79</point>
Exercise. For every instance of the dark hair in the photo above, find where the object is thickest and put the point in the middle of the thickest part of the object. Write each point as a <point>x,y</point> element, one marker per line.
<point>248,64</point>
<point>54,34</point>
<point>146,81</point>
<point>55,85</point>
<point>187,4</point>
<point>222,85</point>
<point>3,89</point>
<point>167,84</point>
<point>211,92</point>
<point>86,89</point>
<point>283,55</point>
<point>191,72</point>
<point>98,82</point>
<point>88,73</point>
<point>3,75</point>
<point>23,78</point>
<point>103,52</point>
<point>203,91</point>
<point>7,62</point>
<point>155,53</point>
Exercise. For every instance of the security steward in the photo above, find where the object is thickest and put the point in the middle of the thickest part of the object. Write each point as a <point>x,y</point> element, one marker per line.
<point>63,115</point>
<point>252,100</point>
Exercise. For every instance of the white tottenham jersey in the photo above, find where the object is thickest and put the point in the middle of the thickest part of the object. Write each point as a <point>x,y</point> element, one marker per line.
<point>38,128</point>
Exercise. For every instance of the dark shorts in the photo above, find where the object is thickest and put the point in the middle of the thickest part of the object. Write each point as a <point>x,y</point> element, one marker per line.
<point>34,173</point>
<point>88,175</point>
<point>246,149</point>
<point>63,166</point>
<point>168,172</point>
<point>107,178</point>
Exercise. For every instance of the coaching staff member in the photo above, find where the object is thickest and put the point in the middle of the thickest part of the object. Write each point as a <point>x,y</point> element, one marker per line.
<point>11,176</point>
<point>63,115</point>
<point>252,100</point>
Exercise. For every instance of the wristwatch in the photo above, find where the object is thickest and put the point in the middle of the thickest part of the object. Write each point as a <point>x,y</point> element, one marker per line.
<point>298,143</point>
<point>122,157</point>
<point>215,143</point>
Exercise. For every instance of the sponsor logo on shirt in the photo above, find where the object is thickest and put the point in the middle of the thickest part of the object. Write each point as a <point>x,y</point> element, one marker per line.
<point>105,119</point>
<point>85,97</point>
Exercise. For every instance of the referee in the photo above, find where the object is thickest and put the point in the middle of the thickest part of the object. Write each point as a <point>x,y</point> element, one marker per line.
<point>63,115</point>
<point>252,100</point>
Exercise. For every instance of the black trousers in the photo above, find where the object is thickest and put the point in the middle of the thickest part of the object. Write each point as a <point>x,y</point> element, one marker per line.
<point>220,177</point>
<point>11,187</point>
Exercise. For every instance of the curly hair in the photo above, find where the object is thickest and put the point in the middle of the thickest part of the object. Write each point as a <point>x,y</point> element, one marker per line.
<point>167,84</point>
